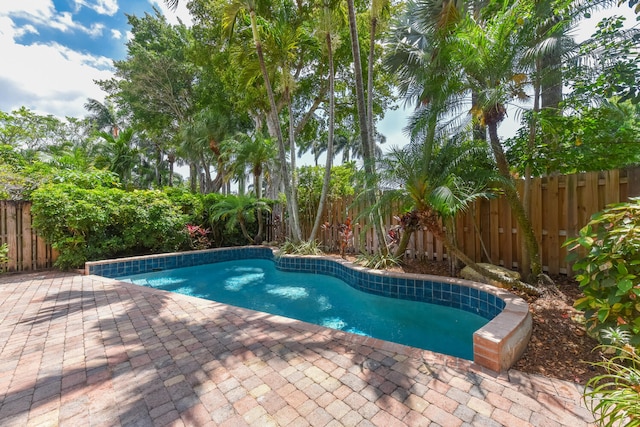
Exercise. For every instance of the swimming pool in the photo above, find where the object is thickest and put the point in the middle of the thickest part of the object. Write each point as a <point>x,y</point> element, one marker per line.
<point>323,300</point>
<point>496,345</point>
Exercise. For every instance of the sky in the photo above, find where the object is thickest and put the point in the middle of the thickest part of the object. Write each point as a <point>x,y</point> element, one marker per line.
<point>53,50</point>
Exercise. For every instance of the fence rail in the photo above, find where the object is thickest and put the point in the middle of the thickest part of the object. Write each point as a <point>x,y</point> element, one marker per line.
<point>487,232</point>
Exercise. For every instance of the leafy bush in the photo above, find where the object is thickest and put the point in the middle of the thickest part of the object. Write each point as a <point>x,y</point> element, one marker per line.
<point>4,255</point>
<point>609,271</point>
<point>190,204</point>
<point>92,224</point>
<point>94,178</point>
<point>614,397</point>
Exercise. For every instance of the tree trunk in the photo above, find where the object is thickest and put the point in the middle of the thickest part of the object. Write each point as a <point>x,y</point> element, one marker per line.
<point>193,177</point>
<point>404,242</point>
<point>329,160</point>
<point>292,203</point>
<point>526,193</point>
<point>515,203</point>
<point>365,132</point>
<point>258,184</point>
<point>552,81</point>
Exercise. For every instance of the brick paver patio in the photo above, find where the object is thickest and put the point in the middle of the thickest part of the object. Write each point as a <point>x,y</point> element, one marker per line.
<point>86,351</point>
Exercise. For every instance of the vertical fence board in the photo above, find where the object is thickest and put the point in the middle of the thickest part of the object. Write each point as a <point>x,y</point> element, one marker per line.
<point>552,226</point>
<point>506,238</point>
<point>494,241</point>
<point>611,186</point>
<point>12,236</point>
<point>572,211</point>
<point>25,234</point>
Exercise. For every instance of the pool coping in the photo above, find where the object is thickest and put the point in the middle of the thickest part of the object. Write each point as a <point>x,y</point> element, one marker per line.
<point>496,346</point>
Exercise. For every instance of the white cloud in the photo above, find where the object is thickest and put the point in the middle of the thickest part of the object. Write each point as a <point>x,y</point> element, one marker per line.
<point>116,34</point>
<point>103,7</point>
<point>26,29</point>
<point>48,78</point>
<point>30,9</point>
<point>43,14</point>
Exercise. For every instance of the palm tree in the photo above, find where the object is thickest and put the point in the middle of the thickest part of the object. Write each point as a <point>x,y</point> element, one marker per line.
<point>233,10</point>
<point>427,181</point>
<point>256,152</point>
<point>475,65</point>
<point>366,134</point>
<point>103,116</point>
<point>491,57</point>
<point>239,211</point>
<point>118,154</point>
<point>327,33</point>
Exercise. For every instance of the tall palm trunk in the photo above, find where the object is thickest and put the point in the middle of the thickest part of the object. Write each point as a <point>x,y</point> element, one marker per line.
<point>365,131</point>
<point>329,161</point>
<point>526,193</point>
<point>292,203</point>
<point>257,181</point>
<point>515,203</point>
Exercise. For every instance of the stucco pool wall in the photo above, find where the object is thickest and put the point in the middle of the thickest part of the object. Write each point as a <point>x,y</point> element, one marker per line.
<point>496,346</point>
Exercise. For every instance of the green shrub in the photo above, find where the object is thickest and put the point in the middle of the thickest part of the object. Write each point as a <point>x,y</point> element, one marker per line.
<point>4,256</point>
<point>609,269</point>
<point>614,397</point>
<point>93,224</point>
<point>189,204</point>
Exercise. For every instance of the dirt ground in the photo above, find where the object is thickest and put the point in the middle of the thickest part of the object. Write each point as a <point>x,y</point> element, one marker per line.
<point>559,347</point>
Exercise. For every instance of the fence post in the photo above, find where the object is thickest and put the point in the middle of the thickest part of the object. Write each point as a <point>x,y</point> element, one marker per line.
<point>633,181</point>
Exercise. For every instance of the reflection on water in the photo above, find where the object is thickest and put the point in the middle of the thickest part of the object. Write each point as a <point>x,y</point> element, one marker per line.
<point>325,301</point>
<point>289,292</point>
<point>236,283</point>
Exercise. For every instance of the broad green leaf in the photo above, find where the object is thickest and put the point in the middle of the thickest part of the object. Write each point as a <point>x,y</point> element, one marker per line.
<point>625,285</point>
<point>603,313</point>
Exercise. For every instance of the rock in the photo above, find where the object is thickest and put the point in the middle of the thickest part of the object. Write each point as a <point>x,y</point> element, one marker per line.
<point>470,274</point>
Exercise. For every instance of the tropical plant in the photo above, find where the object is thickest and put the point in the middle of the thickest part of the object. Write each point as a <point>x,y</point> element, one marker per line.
<point>614,397</point>
<point>239,211</point>
<point>118,154</point>
<point>309,247</point>
<point>198,237</point>
<point>378,260</point>
<point>327,33</point>
<point>366,132</point>
<point>234,11</point>
<point>103,116</point>
<point>607,258</point>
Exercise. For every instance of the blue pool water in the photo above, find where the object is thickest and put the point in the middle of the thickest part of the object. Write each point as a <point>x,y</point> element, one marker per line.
<point>323,300</point>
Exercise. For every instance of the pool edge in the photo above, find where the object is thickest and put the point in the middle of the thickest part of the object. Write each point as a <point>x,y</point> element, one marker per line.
<point>496,346</point>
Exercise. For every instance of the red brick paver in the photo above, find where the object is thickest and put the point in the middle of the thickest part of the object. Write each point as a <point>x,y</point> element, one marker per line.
<point>84,350</point>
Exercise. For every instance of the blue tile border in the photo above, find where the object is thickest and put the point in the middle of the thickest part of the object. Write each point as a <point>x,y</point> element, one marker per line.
<point>431,289</point>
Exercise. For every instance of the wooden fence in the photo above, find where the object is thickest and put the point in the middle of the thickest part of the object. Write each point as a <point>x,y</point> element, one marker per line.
<point>488,232</point>
<point>27,251</point>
